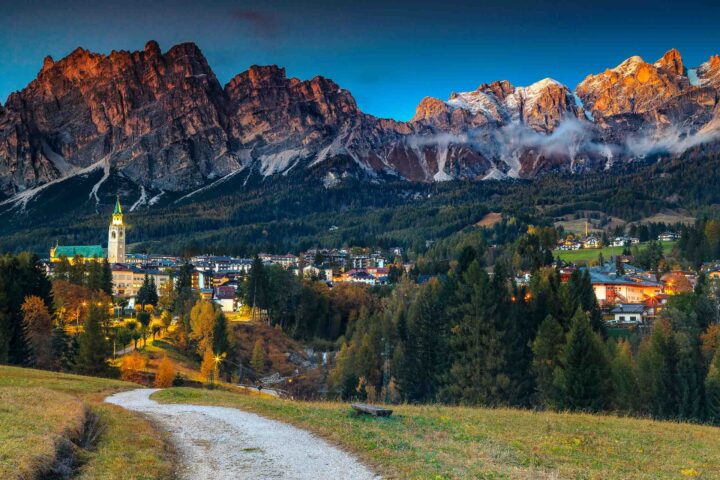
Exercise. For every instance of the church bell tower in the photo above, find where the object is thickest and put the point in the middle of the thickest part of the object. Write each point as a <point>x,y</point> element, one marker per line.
<point>116,236</point>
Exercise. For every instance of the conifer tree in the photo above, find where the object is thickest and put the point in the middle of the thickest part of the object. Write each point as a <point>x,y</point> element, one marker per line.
<point>657,371</point>
<point>424,349</point>
<point>690,378</point>
<point>625,386</point>
<point>712,390</point>
<point>257,361</point>
<point>64,350</point>
<point>582,381</point>
<point>92,354</point>
<point>106,281</point>
<point>478,371</point>
<point>547,347</point>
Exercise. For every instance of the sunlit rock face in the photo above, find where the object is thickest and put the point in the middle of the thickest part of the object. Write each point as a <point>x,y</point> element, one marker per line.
<point>164,121</point>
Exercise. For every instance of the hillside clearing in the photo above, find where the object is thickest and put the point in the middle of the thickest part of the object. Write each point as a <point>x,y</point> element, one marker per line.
<point>40,410</point>
<point>443,442</point>
<point>589,254</point>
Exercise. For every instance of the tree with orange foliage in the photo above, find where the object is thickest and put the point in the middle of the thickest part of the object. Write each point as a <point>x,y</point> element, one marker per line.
<point>132,367</point>
<point>165,373</point>
<point>208,367</point>
<point>37,326</point>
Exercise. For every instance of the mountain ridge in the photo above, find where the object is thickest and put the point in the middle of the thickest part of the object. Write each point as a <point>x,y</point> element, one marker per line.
<point>166,123</point>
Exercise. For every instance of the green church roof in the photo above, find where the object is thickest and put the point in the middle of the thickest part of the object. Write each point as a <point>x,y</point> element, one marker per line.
<point>118,209</point>
<point>86,251</point>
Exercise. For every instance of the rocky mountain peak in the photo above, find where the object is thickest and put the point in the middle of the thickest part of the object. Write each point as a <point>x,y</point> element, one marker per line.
<point>633,87</point>
<point>671,62</point>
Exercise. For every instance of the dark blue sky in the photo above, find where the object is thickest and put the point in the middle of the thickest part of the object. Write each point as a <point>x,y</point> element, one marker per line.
<point>388,54</point>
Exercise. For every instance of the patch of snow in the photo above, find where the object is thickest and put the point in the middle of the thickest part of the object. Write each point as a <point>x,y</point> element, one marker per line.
<point>213,184</point>
<point>21,199</point>
<point>477,102</point>
<point>140,201</point>
<point>495,174</point>
<point>441,176</point>
<point>155,199</point>
<point>106,173</point>
<point>579,103</point>
<point>330,180</point>
<point>278,162</point>
<point>693,77</point>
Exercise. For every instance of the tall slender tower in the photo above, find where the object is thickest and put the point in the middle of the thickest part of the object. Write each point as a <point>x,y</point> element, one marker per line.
<point>116,236</point>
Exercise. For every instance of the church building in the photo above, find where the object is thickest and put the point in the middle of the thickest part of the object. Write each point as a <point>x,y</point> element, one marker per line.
<point>116,236</point>
<point>95,253</point>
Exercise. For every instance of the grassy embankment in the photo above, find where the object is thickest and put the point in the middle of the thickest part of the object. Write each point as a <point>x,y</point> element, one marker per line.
<point>440,442</point>
<point>43,413</point>
<point>590,254</point>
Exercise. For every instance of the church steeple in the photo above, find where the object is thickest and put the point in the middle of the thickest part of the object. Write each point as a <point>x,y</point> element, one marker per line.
<point>116,235</point>
<point>117,217</point>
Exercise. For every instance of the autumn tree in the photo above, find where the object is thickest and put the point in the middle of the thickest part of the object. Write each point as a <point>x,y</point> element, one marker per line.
<point>208,367</point>
<point>202,325</point>
<point>165,373</point>
<point>38,326</point>
<point>132,367</point>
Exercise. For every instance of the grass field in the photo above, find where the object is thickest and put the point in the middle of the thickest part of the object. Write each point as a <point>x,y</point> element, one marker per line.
<point>439,442</point>
<point>39,411</point>
<point>590,254</point>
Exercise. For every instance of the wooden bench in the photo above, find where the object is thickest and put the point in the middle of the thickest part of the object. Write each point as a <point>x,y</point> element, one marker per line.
<point>364,409</point>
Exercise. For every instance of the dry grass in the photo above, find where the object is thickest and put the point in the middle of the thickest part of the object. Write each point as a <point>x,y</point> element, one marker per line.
<point>670,217</point>
<point>38,409</point>
<point>440,442</point>
<point>33,421</point>
<point>489,220</point>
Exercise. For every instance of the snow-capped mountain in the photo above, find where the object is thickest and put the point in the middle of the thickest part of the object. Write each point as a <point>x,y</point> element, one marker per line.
<point>163,122</point>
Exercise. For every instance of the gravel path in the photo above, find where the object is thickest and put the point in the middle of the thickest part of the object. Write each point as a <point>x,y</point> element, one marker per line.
<point>226,443</point>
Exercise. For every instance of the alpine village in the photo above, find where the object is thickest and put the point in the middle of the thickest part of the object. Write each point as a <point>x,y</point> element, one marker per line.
<point>215,275</point>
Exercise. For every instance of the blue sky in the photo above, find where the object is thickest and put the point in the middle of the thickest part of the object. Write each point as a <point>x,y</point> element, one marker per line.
<point>388,54</point>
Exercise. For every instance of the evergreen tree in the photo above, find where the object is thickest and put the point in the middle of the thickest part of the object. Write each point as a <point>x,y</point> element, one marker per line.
<point>64,350</point>
<point>20,276</point>
<point>582,381</point>
<point>106,281</point>
<point>220,338</point>
<point>547,348</point>
<point>690,378</point>
<point>257,285</point>
<point>478,371</point>
<point>712,390</point>
<point>424,349</point>
<point>658,372</point>
<point>625,386</point>
<point>93,351</point>
<point>152,293</point>
<point>143,294</point>
<point>257,361</point>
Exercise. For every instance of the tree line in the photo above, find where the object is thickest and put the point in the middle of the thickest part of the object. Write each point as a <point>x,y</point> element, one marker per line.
<point>475,338</point>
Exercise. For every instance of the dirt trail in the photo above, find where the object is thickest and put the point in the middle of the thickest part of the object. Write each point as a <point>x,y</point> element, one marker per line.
<point>226,443</point>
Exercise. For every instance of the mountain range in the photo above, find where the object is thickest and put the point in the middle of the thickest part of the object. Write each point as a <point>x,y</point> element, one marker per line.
<point>164,123</point>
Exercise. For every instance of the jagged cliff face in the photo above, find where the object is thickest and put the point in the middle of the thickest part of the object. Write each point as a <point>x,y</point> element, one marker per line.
<point>165,122</point>
<point>650,98</point>
<point>150,115</point>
